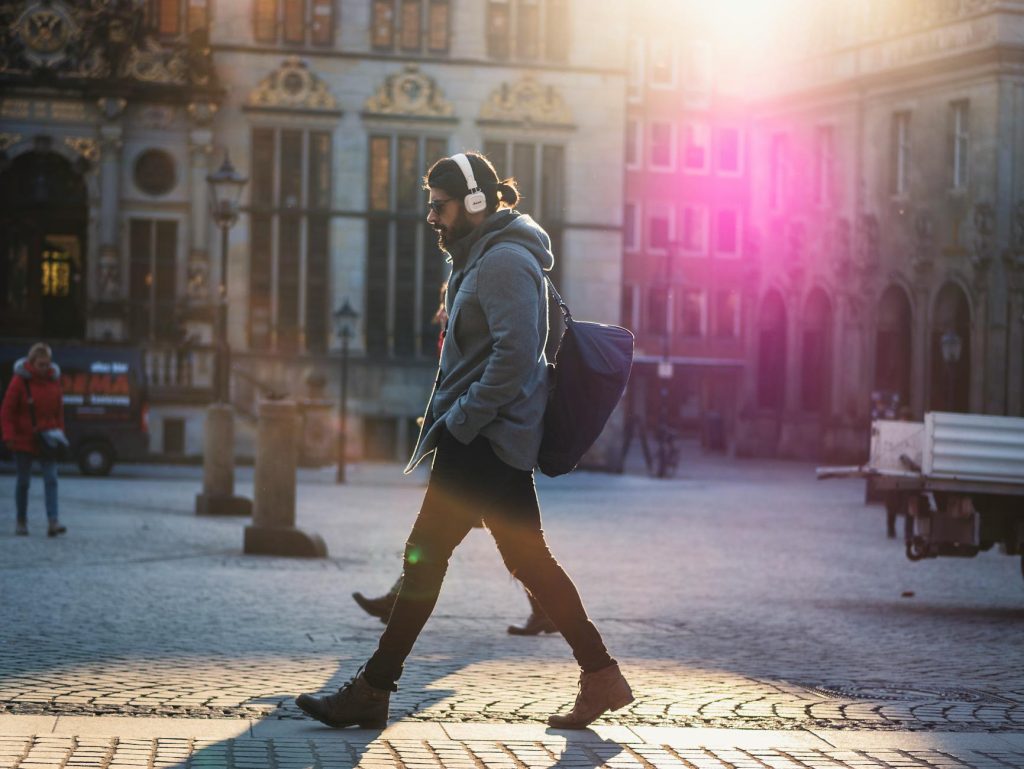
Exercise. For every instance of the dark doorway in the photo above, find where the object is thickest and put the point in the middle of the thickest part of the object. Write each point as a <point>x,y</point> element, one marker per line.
<point>951,380</point>
<point>893,345</point>
<point>771,353</point>
<point>816,354</point>
<point>43,216</point>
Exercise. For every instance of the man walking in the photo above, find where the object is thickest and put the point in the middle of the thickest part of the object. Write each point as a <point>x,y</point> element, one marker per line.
<point>483,423</point>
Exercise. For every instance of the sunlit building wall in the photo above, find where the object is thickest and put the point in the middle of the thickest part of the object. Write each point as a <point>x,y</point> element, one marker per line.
<point>333,109</point>
<point>685,263</point>
<point>887,190</point>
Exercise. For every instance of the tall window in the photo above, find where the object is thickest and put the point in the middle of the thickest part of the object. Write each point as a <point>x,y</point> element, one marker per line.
<point>539,170</point>
<point>692,312</point>
<point>696,146</point>
<point>411,25</point>
<point>727,236</point>
<point>170,18</point>
<point>404,267</point>
<point>824,164</point>
<point>635,65</point>
<point>727,314</point>
<point>659,227</point>
<point>779,170</point>
<point>630,227</point>
<point>662,63</point>
<point>960,142</point>
<point>289,253</point>
<point>153,244</point>
<point>528,30</point>
<point>662,146</point>
<point>900,153</point>
<point>699,72</point>
<point>656,316</point>
<point>694,229</point>
<point>294,22</point>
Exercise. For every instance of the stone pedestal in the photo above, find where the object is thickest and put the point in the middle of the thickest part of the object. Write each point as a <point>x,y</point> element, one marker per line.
<point>218,497</point>
<point>273,529</point>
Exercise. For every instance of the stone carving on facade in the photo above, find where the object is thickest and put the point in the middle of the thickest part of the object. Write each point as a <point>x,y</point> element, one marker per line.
<point>409,93</point>
<point>88,149</point>
<point>109,273</point>
<point>111,107</point>
<point>292,86</point>
<point>528,103</point>
<point>198,279</point>
<point>924,238</point>
<point>95,39</point>
<point>201,113</point>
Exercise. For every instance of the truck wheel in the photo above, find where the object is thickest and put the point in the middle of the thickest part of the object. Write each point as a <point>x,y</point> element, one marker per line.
<point>96,458</point>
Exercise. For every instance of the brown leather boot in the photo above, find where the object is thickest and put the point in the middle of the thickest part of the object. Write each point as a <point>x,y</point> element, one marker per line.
<point>535,624</point>
<point>376,607</point>
<point>601,691</point>
<point>356,703</point>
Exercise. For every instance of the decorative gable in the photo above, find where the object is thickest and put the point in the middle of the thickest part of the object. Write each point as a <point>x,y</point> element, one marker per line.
<point>292,87</point>
<point>526,103</point>
<point>409,94</point>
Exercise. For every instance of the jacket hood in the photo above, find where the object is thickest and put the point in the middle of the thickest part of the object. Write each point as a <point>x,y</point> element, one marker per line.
<point>505,226</point>
<point>22,369</point>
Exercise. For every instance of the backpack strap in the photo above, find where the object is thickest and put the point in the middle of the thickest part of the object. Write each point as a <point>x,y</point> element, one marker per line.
<point>558,300</point>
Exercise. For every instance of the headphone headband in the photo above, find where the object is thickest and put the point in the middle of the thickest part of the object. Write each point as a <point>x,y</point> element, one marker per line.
<point>475,201</point>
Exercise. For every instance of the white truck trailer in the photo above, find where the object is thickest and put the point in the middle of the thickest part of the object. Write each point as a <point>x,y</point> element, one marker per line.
<point>958,479</point>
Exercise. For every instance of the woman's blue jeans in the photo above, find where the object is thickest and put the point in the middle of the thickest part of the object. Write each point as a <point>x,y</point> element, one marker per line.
<point>23,462</point>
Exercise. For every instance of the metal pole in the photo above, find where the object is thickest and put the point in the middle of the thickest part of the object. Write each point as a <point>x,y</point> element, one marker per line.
<point>224,350</point>
<point>342,409</point>
<point>950,386</point>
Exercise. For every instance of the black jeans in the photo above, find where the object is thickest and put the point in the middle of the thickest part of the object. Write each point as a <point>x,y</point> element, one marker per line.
<point>467,484</point>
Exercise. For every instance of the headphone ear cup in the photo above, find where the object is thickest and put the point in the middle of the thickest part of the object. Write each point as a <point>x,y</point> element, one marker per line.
<point>475,202</point>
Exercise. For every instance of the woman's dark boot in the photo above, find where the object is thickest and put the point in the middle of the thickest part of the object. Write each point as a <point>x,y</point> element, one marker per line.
<point>538,622</point>
<point>54,528</point>
<point>21,529</point>
<point>355,704</point>
<point>601,691</point>
<point>376,607</point>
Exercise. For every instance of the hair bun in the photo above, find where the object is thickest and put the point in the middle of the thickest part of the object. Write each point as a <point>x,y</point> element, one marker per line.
<point>509,194</point>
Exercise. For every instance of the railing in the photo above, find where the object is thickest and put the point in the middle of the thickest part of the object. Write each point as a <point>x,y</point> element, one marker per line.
<point>180,373</point>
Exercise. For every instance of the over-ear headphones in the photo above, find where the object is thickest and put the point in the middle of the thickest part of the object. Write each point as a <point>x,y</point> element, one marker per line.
<point>475,201</point>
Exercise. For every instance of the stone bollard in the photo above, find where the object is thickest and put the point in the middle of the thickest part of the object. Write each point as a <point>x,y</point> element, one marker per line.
<point>273,529</point>
<point>218,497</point>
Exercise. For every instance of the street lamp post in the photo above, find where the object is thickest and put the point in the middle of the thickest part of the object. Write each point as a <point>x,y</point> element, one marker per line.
<point>226,186</point>
<point>952,346</point>
<point>666,445</point>
<point>218,496</point>
<point>344,319</point>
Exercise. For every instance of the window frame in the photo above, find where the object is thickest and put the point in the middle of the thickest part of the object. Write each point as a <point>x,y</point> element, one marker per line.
<point>672,139</point>
<point>778,180</point>
<point>720,169</point>
<point>824,165</point>
<point>311,36</point>
<point>703,216</point>
<point>690,128</point>
<point>673,65</point>
<point>659,210</point>
<point>634,245</point>
<point>737,316</point>
<point>702,295</point>
<point>637,163</point>
<point>507,46</point>
<point>900,150</point>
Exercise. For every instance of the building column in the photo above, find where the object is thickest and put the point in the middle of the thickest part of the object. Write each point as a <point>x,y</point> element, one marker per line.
<point>197,284</point>
<point>111,263</point>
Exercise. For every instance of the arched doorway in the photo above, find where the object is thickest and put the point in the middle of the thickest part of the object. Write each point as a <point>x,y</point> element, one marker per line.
<point>771,353</point>
<point>43,217</point>
<point>816,354</point>
<point>893,340</point>
<point>951,379</point>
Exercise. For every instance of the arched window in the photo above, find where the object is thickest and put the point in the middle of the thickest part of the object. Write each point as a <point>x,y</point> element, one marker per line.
<point>893,346</point>
<point>771,352</point>
<point>816,353</point>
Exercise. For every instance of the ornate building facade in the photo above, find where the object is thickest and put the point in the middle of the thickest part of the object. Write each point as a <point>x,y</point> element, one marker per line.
<point>113,113</point>
<point>887,189</point>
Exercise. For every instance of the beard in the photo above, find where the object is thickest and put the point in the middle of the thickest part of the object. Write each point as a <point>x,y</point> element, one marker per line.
<point>447,236</point>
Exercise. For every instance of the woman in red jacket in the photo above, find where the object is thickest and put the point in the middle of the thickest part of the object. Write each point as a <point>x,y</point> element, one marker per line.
<point>39,377</point>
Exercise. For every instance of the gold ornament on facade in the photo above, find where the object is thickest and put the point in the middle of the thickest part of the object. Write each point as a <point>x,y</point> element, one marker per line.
<point>202,113</point>
<point>409,93</point>
<point>153,65</point>
<point>527,102</point>
<point>87,148</point>
<point>45,29</point>
<point>292,86</point>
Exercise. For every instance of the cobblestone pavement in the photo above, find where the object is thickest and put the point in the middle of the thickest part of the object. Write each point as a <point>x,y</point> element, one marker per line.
<point>740,594</point>
<point>340,753</point>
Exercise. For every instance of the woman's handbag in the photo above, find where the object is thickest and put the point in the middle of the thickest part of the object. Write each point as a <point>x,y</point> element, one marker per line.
<point>50,444</point>
<point>590,372</point>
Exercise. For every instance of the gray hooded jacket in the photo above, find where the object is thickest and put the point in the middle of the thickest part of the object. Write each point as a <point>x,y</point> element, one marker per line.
<point>493,376</point>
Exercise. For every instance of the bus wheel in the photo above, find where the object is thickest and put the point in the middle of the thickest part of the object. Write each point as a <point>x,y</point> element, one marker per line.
<point>96,458</point>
